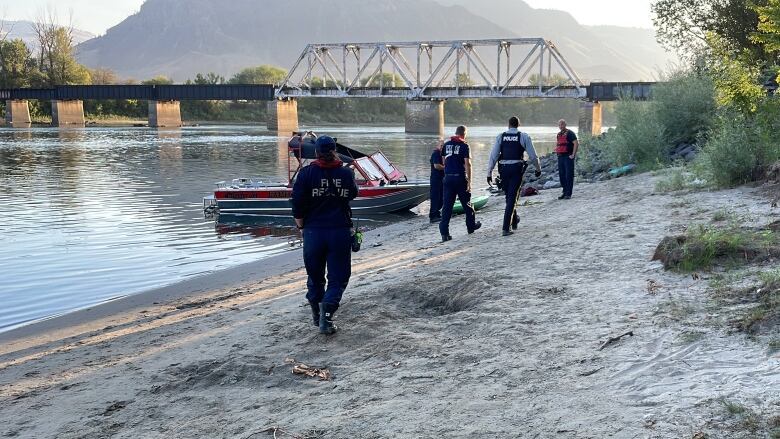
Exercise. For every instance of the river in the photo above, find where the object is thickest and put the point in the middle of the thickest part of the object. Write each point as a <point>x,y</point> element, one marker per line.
<point>99,213</point>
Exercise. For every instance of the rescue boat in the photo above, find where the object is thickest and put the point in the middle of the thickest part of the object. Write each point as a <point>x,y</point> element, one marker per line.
<point>382,187</point>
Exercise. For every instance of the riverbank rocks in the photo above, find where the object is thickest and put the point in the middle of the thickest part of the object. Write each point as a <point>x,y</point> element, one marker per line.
<point>773,173</point>
<point>684,152</point>
<point>549,172</point>
<point>594,169</point>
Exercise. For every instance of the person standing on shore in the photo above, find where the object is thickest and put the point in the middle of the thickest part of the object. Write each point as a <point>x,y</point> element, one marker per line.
<point>457,183</point>
<point>437,183</point>
<point>566,148</point>
<point>509,152</point>
<point>320,205</point>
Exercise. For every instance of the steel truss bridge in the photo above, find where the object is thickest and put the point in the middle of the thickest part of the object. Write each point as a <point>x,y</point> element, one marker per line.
<point>419,70</point>
<point>496,68</point>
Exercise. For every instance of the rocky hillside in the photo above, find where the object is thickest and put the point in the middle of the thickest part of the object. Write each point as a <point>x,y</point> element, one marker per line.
<point>179,38</point>
<point>596,52</point>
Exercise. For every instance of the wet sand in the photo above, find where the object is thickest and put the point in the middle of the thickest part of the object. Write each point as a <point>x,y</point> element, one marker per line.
<point>483,336</point>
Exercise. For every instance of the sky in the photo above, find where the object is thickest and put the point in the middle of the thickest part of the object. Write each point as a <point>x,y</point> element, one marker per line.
<point>97,16</point>
<point>630,13</point>
<point>94,16</point>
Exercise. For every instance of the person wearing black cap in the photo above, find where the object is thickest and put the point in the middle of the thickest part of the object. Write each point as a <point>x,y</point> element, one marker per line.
<point>320,205</point>
<point>457,183</point>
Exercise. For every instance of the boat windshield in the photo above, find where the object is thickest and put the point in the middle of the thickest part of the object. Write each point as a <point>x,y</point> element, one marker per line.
<point>383,163</point>
<point>371,170</point>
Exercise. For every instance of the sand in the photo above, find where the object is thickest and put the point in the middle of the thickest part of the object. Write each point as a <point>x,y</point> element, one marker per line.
<point>483,336</point>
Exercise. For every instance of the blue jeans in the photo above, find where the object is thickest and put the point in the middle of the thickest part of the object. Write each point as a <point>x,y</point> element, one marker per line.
<point>456,186</point>
<point>329,248</point>
<point>566,173</point>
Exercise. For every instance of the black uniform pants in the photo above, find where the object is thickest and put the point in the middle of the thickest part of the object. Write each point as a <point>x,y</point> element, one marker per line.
<point>437,189</point>
<point>456,186</point>
<point>566,173</point>
<point>512,179</point>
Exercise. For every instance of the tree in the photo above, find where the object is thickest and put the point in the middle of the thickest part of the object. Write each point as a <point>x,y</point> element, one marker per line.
<point>736,77</point>
<point>683,25</point>
<point>548,81</point>
<point>387,80</point>
<point>264,74</point>
<point>768,32</point>
<point>463,80</point>
<point>102,76</point>
<point>56,59</point>
<point>16,64</point>
<point>209,79</point>
<point>158,80</point>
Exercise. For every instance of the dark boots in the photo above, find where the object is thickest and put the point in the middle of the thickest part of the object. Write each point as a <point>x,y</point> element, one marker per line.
<point>326,318</point>
<point>315,312</point>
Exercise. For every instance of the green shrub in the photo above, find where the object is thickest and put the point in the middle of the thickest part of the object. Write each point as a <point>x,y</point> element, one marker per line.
<point>638,138</point>
<point>681,110</point>
<point>741,147</point>
<point>590,154</point>
<point>685,106</point>
<point>729,156</point>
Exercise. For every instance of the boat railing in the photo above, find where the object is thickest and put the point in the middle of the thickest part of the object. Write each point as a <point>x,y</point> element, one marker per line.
<point>250,183</point>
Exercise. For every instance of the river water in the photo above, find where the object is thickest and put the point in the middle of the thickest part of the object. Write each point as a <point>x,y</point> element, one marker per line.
<point>100,213</point>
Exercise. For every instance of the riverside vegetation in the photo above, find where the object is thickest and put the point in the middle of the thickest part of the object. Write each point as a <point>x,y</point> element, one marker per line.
<point>723,104</point>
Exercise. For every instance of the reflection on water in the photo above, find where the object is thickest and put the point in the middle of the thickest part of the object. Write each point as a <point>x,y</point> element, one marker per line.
<point>98,213</point>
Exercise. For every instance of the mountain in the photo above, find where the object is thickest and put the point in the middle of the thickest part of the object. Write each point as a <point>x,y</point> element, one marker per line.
<point>596,52</point>
<point>178,38</point>
<point>24,30</point>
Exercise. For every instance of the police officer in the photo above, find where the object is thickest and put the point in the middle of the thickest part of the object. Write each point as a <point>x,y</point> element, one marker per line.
<point>457,182</point>
<point>320,205</point>
<point>437,182</point>
<point>509,151</point>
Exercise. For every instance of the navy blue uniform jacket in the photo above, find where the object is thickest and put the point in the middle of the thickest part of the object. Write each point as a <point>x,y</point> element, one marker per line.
<point>321,195</point>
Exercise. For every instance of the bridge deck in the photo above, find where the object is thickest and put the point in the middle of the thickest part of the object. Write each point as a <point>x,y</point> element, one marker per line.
<point>601,91</point>
<point>221,92</point>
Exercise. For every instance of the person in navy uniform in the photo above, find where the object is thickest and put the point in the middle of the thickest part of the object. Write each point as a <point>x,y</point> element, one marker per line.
<point>457,182</point>
<point>566,148</point>
<point>437,182</point>
<point>320,205</point>
<point>509,152</point>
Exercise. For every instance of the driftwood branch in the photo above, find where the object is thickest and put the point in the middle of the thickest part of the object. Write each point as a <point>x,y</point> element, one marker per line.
<point>616,339</point>
<point>591,372</point>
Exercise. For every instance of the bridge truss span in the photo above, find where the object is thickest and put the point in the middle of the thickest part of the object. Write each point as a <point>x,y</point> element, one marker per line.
<point>425,70</point>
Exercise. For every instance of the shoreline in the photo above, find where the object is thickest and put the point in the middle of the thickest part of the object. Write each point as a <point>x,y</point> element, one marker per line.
<point>512,328</point>
<point>102,314</point>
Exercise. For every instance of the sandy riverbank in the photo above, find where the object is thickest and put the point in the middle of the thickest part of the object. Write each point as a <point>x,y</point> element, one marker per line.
<point>483,336</point>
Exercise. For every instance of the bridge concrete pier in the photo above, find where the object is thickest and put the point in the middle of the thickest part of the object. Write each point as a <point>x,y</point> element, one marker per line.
<point>165,114</point>
<point>17,113</point>
<point>282,116</point>
<point>425,117</point>
<point>590,119</point>
<point>67,113</point>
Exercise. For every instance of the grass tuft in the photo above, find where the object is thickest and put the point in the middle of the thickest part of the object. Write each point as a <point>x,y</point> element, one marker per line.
<point>704,246</point>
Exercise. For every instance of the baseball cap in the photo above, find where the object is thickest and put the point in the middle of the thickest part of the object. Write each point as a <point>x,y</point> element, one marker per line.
<point>325,144</point>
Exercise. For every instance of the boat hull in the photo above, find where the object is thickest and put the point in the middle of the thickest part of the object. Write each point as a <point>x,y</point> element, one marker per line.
<point>276,201</point>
